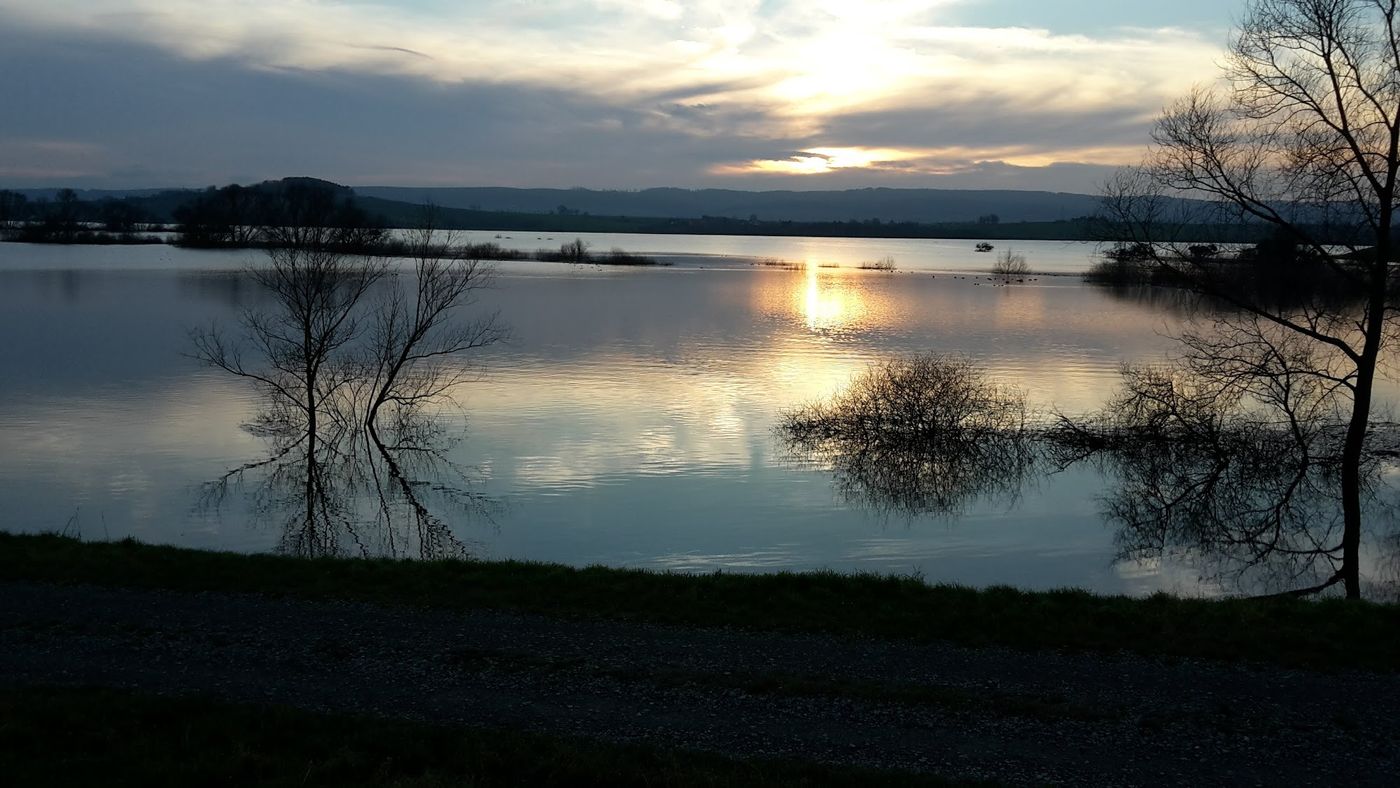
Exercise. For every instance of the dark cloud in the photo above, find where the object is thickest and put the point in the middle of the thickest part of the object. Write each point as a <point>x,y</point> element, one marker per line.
<point>993,124</point>
<point>144,118</point>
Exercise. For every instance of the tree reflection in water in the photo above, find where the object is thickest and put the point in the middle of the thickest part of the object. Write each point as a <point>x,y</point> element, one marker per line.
<point>350,360</point>
<point>1250,501</point>
<point>923,435</point>
<point>1237,481</point>
<point>358,489</point>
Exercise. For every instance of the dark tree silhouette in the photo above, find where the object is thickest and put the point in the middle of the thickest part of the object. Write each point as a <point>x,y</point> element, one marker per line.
<point>14,207</point>
<point>417,337</point>
<point>345,378</point>
<point>1306,139</point>
<point>1234,471</point>
<point>921,435</point>
<point>261,215</point>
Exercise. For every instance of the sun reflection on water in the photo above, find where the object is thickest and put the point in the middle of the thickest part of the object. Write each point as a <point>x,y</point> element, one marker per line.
<point>829,301</point>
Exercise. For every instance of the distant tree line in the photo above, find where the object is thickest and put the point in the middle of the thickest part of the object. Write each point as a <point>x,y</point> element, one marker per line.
<point>236,215</point>
<point>68,219</point>
<point>243,216</point>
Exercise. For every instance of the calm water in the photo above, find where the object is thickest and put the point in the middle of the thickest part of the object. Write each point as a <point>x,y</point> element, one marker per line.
<point>909,254</point>
<point>628,421</point>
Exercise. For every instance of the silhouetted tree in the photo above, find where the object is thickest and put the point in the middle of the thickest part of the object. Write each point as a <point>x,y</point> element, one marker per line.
<point>344,379</point>
<point>416,334</point>
<point>13,207</point>
<point>1010,266</point>
<point>1307,140</point>
<point>575,251</point>
<point>62,218</point>
<point>1233,471</point>
<point>921,435</point>
<point>267,214</point>
<point>119,216</point>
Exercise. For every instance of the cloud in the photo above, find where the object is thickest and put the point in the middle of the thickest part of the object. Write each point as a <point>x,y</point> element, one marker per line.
<point>693,91</point>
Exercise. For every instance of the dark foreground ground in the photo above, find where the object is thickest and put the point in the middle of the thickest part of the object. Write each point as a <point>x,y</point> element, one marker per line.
<point>916,708</point>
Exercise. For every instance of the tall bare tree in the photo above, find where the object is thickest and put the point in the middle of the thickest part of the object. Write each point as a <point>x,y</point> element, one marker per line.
<point>1304,136</point>
<point>346,357</point>
<point>418,334</point>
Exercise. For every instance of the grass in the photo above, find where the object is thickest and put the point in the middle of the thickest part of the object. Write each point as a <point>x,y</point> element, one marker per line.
<point>885,263</point>
<point>52,736</point>
<point>1329,633</point>
<point>774,262</point>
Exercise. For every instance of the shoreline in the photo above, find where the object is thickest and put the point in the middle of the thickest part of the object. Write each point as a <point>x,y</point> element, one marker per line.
<point>1325,634</point>
<point>348,671</point>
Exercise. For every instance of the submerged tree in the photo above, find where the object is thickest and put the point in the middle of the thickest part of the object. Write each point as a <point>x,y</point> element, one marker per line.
<point>1305,138</point>
<point>14,207</point>
<point>1234,472</point>
<point>347,360</point>
<point>922,435</point>
<point>418,337</point>
<point>1010,266</point>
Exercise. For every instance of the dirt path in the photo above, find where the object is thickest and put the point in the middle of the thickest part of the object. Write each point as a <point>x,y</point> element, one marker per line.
<point>963,713</point>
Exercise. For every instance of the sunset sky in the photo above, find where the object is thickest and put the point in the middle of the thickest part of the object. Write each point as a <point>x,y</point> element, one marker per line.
<point>600,93</point>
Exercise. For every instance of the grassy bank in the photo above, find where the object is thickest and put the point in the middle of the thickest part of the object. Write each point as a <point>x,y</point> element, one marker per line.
<point>98,737</point>
<point>1301,633</point>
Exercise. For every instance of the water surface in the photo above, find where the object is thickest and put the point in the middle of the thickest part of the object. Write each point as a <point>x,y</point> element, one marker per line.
<point>629,420</point>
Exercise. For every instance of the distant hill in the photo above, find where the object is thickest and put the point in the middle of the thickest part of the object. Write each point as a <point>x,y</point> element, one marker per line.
<point>924,206</point>
<point>869,213</point>
<point>160,204</point>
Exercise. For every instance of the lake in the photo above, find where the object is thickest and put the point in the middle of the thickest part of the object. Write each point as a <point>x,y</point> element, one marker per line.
<point>629,420</point>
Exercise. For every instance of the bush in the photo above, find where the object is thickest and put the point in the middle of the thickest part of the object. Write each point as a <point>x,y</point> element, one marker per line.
<point>620,257</point>
<point>575,251</point>
<point>1009,266</point>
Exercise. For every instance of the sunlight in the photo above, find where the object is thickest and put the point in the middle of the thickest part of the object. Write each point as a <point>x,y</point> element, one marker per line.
<point>844,68</point>
<point>814,161</point>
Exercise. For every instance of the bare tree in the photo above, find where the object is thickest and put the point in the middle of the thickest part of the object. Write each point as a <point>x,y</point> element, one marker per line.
<point>13,207</point>
<point>328,358</point>
<point>1304,138</point>
<point>417,335</point>
<point>298,364</point>
<point>1010,266</point>
<point>317,294</point>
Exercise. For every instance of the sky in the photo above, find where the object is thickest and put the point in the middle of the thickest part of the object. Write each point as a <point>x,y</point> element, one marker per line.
<point>614,94</point>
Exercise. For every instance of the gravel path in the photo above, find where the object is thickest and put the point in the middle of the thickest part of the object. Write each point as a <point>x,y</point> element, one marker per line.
<point>964,713</point>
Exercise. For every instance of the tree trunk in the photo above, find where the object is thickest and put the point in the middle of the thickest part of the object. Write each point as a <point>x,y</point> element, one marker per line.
<point>311,427</point>
<point>1361,417</point>
<point>1351,471</point>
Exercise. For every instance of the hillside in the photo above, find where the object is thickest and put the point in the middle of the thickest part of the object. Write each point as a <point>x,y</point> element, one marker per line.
<point>923,206</point>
